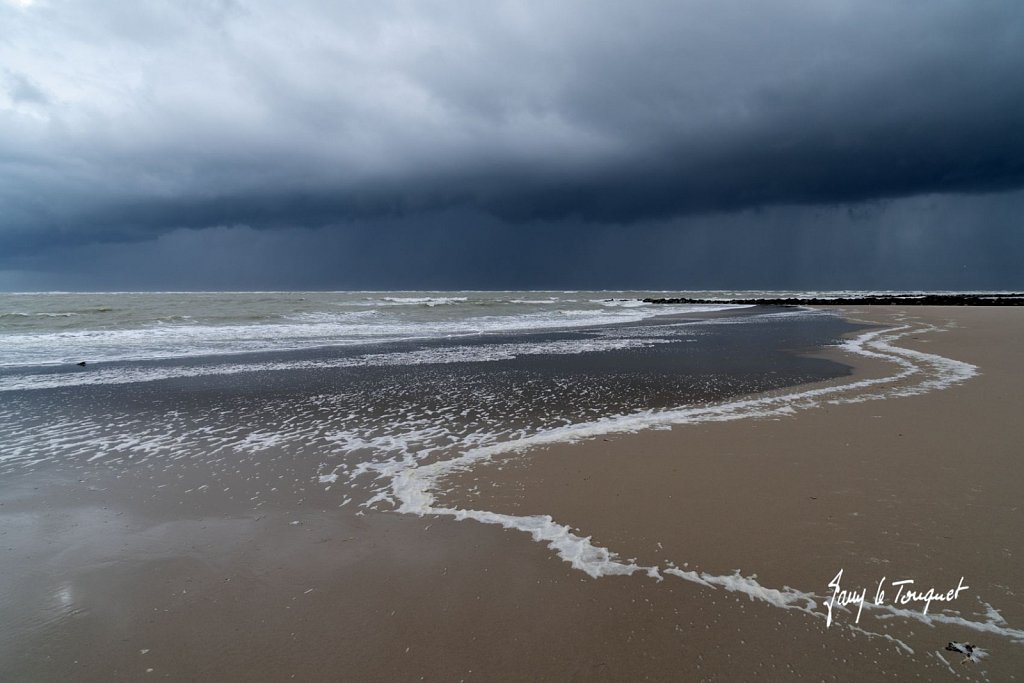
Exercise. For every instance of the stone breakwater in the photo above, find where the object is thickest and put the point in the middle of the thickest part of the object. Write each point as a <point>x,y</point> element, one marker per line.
<point>868,300</point>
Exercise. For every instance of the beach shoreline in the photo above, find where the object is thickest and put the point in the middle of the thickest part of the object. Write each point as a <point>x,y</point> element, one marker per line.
<point>114,581</point>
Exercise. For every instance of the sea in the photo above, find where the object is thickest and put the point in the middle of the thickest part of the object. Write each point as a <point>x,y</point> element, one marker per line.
<point>344,384</point>
<point>39,329</point>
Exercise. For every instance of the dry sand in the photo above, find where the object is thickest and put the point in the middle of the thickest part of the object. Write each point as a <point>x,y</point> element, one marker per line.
<point>103,580</point>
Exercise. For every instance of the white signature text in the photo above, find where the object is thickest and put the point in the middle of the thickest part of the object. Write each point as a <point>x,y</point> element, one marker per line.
<point>905,595</point>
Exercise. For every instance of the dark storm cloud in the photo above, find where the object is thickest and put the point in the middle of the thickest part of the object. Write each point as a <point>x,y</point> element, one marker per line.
<point>154,117</point>
<point>926,242</point>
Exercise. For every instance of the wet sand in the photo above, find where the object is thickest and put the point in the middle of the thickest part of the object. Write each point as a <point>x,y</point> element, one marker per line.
<point>113,579</point>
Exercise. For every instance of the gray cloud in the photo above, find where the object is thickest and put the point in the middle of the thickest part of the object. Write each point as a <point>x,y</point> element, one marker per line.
<point>157,118</point>
<point>21,90</point>
<point>925,242</point>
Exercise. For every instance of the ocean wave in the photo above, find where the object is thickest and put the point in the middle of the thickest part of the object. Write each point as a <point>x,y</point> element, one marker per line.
<point>480,353</point>
<point>621,303</point>
<point>17,314</point>
<point>424,300</point>
<point>543,302</point>
<point>185,339</point>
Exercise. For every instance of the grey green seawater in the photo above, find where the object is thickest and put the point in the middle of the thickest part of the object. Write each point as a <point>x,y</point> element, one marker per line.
<point>56,328</point>
<point>337,384</point>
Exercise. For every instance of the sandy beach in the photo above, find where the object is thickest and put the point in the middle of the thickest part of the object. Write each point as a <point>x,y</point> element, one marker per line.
<point>922,487</point>
<point>107,577</point>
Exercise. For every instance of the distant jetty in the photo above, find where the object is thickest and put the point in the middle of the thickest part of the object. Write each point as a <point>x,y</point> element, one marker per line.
<point>1002,299</point>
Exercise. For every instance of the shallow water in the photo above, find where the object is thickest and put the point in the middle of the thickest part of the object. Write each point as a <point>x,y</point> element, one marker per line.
<point>340,411</point>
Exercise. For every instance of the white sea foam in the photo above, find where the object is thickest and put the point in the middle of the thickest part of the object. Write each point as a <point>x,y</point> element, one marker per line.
<point>576,550</point>
<point>479,353</point>
<point>424,300</point>
<point>623,303</point>
<point>305,330</point>
<point>994,625</point>
<point>549,300</point>
<point>785,598</point>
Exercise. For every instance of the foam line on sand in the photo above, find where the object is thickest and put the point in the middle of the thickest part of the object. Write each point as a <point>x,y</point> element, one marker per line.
<point>413,484</point>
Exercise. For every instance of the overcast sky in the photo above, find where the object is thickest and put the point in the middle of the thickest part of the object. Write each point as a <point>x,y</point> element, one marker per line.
<point>198,144</point>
